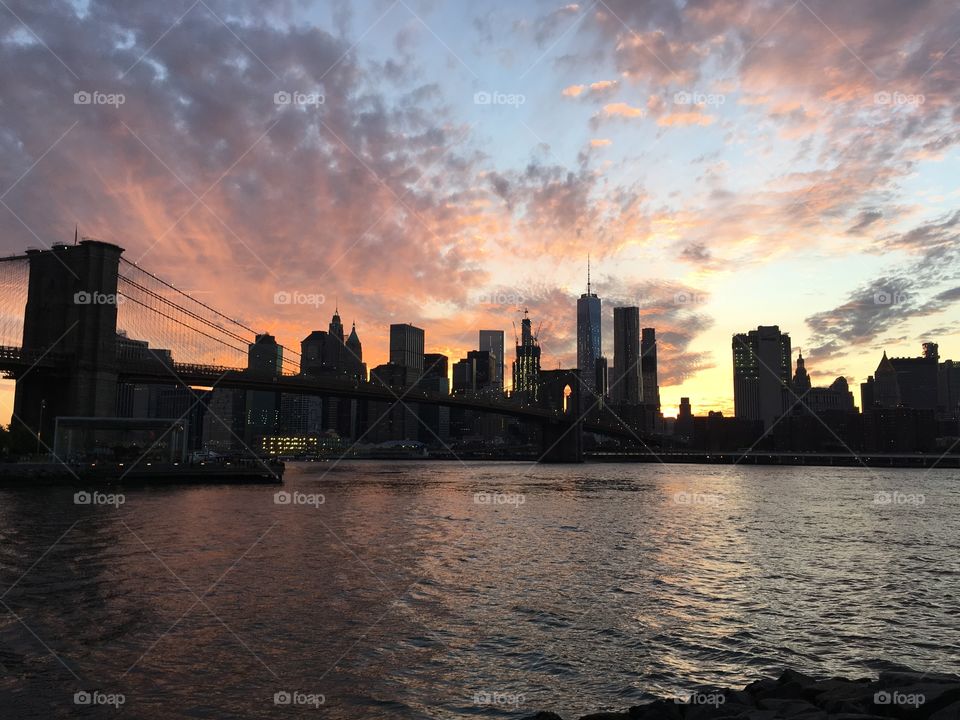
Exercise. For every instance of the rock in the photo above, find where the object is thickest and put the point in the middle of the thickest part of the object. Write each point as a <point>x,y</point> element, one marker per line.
<point>792,676</point>
<point>950,712</point>
<point>912,677</point>
<point>898,694</point>
<point>542,715</point>
<point>658,710</point>
<point>787,708</point>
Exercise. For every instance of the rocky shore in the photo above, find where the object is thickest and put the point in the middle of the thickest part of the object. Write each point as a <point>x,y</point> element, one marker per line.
<point>903,694</point>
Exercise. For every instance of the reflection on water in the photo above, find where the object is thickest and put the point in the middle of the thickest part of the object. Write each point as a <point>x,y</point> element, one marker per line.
<point>447,590</point>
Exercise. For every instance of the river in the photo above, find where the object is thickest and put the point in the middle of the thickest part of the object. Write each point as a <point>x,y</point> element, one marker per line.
<point>448,589</point>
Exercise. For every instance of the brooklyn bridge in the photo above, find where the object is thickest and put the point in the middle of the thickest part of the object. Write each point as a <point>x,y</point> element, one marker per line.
<point>68,313</point>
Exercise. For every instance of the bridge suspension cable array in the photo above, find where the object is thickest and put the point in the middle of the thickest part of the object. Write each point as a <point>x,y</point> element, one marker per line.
<point>168,318</point>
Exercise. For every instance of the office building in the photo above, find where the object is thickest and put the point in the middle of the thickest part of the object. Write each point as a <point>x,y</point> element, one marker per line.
<point>526,368</point>
<point>492,342</point>
<point>648,368</point>
<point>761,375</point>
<point>626,384</point>
<point>588,343</point>
<point>264,360</point>
<point>406,348</point>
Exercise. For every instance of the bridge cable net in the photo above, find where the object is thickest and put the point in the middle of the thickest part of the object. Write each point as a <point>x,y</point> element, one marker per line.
<point>169,319</point>
<point>14,280</point>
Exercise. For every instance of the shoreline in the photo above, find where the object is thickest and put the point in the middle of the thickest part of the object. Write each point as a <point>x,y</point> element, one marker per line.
<point>903,694</point>
<point>18,475</point>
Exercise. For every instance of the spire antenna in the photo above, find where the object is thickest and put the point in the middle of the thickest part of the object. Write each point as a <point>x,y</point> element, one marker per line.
<point>588,273</point>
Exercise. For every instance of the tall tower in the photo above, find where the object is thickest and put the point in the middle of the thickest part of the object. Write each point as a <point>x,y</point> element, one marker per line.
<point>71,311</point>
<point>887,389</point>
<point>264,359</point>
<point>761,374</point>
<point>526,368</point>
<point>354,360</point>
<point>648,367</point>
<point>801,380</point>
<point>588,342</point>
<point>406,349</point>
<point>626,385</point>
<point>492,342</point>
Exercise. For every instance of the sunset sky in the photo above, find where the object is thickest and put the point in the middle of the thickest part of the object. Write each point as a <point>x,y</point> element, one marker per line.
<point>725,164</point>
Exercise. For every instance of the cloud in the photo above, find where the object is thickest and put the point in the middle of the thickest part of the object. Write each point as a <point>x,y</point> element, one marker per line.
<point>599,89</point>
<point>684,119</point>
<point>864,220</point>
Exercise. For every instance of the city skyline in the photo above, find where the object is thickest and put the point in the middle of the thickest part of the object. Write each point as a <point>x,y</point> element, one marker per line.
<point>449,169</point>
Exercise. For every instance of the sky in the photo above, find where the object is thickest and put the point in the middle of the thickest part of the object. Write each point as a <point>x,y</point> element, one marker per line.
<point>725,163</point>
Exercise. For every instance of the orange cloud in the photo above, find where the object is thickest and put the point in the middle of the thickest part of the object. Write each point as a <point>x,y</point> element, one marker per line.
<point>622,109</point>
<point>685,119</point>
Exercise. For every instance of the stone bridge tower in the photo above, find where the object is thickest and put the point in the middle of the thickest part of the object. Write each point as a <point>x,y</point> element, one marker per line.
<point>70,319</point>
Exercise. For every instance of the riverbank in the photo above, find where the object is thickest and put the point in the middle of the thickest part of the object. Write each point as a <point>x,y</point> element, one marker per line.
<point>732,457</point>
<point>110,474</point>
<point>902,694</point>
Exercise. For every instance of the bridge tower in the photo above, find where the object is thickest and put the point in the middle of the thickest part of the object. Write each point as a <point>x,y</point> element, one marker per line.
<point>70,318</point>
<point>561,439</point>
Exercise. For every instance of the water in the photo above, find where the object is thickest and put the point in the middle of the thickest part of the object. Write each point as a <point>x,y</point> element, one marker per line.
<point>577,588</point>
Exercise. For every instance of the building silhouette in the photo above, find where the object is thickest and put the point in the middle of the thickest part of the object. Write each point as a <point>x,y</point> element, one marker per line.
<point>526,368</point>
<point>492,342</point>
<point>761,375</point>
<point>435,420</point>
<point>801,380</point>
<point>648,368</point>
<point>626,385</point>
<point>264,360</point>
<point>589,338</point>
<point>406,350</point>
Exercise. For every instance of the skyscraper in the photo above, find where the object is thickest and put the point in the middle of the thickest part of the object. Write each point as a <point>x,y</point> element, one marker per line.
<point>264,359</point>
<point>626,385</point>
<point>648,367</point>
<point>801,380</point>
<point>492,342</point>
<point>761,374</point>
<point>526,368</point>
<point>588,343</point>
<point>406,348</point>
<point>356,368</point>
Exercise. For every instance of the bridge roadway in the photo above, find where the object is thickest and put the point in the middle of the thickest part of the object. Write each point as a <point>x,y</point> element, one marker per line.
<point>15,362</point>
<point>211,375</point>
